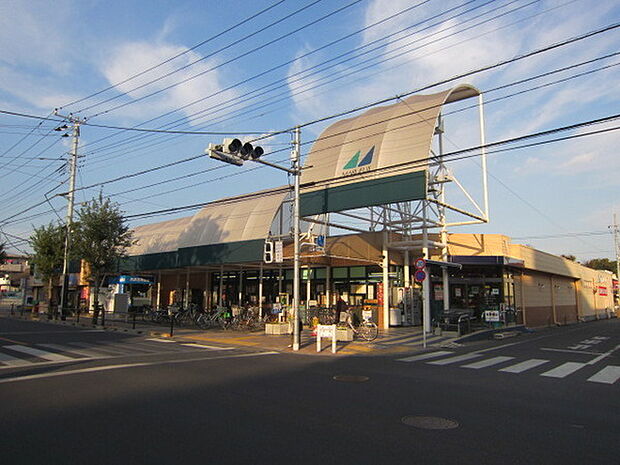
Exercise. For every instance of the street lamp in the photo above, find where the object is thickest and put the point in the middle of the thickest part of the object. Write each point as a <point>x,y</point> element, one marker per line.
<point>234,152</point>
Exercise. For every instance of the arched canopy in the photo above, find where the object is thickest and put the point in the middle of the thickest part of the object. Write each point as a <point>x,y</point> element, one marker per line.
<point>366,160</point>
<point>226,231</point>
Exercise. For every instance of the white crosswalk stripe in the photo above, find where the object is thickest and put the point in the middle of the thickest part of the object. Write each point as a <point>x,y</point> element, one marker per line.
<point>10,361</point>
<point>71,350</point>
<point>608,375</point>
<point>45,355</point>
<point>524,366</point>
<point>457,359</point>
<point>487,363</point>
<point>416,358</point>
<point>564,370</point>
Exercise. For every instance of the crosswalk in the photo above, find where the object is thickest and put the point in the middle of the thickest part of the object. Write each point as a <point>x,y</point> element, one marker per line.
<point>20,355</point>
<point>609,374</point>
<point>409,339</point>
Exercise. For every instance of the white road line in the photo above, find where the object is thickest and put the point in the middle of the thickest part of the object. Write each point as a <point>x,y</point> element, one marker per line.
<point>154,339</point>
<point>100,348</point>
<point>11,361</point>
<point>550,349</point>
<point>458,358</point>
<point>39,353</point>
<point>563,370</point>
<point>426,356</point>
<point>608,375</point>
<point>128,365</point>
<point>202,346</point>
<point>71,350</point>
<point>524,366</point>
<point>487,363</point>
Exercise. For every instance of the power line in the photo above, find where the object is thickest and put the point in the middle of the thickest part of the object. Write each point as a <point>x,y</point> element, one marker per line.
<point>448,157</point>
<point>237,57</point>
<point>243,98</point>
<point>243,22</point>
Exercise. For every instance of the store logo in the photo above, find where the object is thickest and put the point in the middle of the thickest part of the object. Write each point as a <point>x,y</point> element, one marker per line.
<point>355,165</point>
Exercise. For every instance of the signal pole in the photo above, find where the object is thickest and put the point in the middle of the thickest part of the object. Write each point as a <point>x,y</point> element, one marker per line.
<point>70,205</point>
<point>617,244</point>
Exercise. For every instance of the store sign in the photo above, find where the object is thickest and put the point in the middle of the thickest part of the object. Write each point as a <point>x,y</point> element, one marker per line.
<point>278,251</point>
<point>602,290</point>
<point>380,295</point>
<point>491,315</point>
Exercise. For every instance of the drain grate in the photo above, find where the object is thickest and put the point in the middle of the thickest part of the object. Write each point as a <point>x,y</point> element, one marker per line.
<point>351,378</point>
<point>423,422</point>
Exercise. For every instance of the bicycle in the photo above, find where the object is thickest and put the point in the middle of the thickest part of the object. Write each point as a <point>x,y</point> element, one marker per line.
<point>366,329</point>
<point>219,317</point>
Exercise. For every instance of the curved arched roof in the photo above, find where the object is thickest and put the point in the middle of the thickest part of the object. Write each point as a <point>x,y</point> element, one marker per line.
<point>377,139</point>
<point>224,221</point>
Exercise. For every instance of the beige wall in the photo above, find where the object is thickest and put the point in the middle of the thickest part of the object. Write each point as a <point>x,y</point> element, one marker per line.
<point>578,291</point>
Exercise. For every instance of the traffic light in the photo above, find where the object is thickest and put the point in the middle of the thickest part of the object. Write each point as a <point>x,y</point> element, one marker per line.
<point>268,252</point>
<point>234,151</point>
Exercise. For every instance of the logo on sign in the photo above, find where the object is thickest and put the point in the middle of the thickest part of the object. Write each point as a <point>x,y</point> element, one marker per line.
<point>356,166</point>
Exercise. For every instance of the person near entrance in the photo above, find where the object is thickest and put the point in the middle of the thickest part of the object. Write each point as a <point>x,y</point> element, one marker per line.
<point>341,306</point>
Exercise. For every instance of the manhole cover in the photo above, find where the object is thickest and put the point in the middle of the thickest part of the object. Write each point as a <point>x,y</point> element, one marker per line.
<point>351,378</point>
<point>429,422</point>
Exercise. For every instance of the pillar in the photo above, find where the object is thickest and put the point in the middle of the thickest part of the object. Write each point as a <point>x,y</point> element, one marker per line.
<point>386,283</point>
<point>260,291</point>
<point>328,286</point>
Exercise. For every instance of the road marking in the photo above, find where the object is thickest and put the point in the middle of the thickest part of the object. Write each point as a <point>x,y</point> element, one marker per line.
<point>11,361</point>
<point>458,358</point>
<point>563,370</point>
<point>608,375</point>
<point>570,351</point>
<point>39,353</point>
<point>128,365</point>
<point>523,366</point>
<point>154,339</point>
<point>487,363</point>
<point>70,350</point>
<point>203,346</point>
<point>100,349</point>
<point>426,356</point>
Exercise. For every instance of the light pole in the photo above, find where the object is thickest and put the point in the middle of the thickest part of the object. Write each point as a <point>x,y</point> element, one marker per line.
<point>233,151</point>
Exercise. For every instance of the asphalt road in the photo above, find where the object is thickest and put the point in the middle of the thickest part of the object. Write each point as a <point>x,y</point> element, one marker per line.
<point>78,396</point>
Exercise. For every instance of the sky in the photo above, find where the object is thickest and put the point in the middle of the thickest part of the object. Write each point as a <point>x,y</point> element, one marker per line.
<point>242,68</point>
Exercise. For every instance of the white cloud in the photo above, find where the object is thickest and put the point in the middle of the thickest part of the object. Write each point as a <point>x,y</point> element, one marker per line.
<point>130,58</point>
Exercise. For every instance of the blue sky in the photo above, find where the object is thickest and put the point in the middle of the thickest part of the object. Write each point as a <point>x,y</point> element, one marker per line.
<point>56,53</point>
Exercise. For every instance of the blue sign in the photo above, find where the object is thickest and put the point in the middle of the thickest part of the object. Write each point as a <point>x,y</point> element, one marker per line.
<point>420,275</point>
<point>320,241</point>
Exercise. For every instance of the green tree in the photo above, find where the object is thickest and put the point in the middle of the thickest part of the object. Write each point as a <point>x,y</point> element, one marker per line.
<point>572,258</point>
<point>101,239</point>
<point>48,244</point>
<point>601,264</point>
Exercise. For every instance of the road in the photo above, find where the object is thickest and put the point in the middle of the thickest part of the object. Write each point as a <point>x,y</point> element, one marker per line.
<point>78,396</point>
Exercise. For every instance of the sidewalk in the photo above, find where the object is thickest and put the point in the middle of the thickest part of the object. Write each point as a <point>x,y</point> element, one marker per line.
<point>391,341</point>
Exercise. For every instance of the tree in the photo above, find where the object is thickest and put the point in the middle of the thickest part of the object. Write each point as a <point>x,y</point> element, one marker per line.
<point>572,258</point>
<point>601,264</point>
<point>101,239</point>
<point>48,244</point>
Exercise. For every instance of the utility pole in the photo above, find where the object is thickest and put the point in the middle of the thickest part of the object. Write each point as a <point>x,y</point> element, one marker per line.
<point>234,152</point>
<point>616,231</point>
<point>297,175</point>
<point>70,199</point>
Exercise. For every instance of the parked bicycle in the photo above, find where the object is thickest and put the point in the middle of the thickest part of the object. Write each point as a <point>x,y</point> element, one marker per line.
<point>220,317</point>
<point>364,329</point>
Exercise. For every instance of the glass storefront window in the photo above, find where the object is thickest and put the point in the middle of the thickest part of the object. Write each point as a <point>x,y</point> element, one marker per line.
<point>340,272</point>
